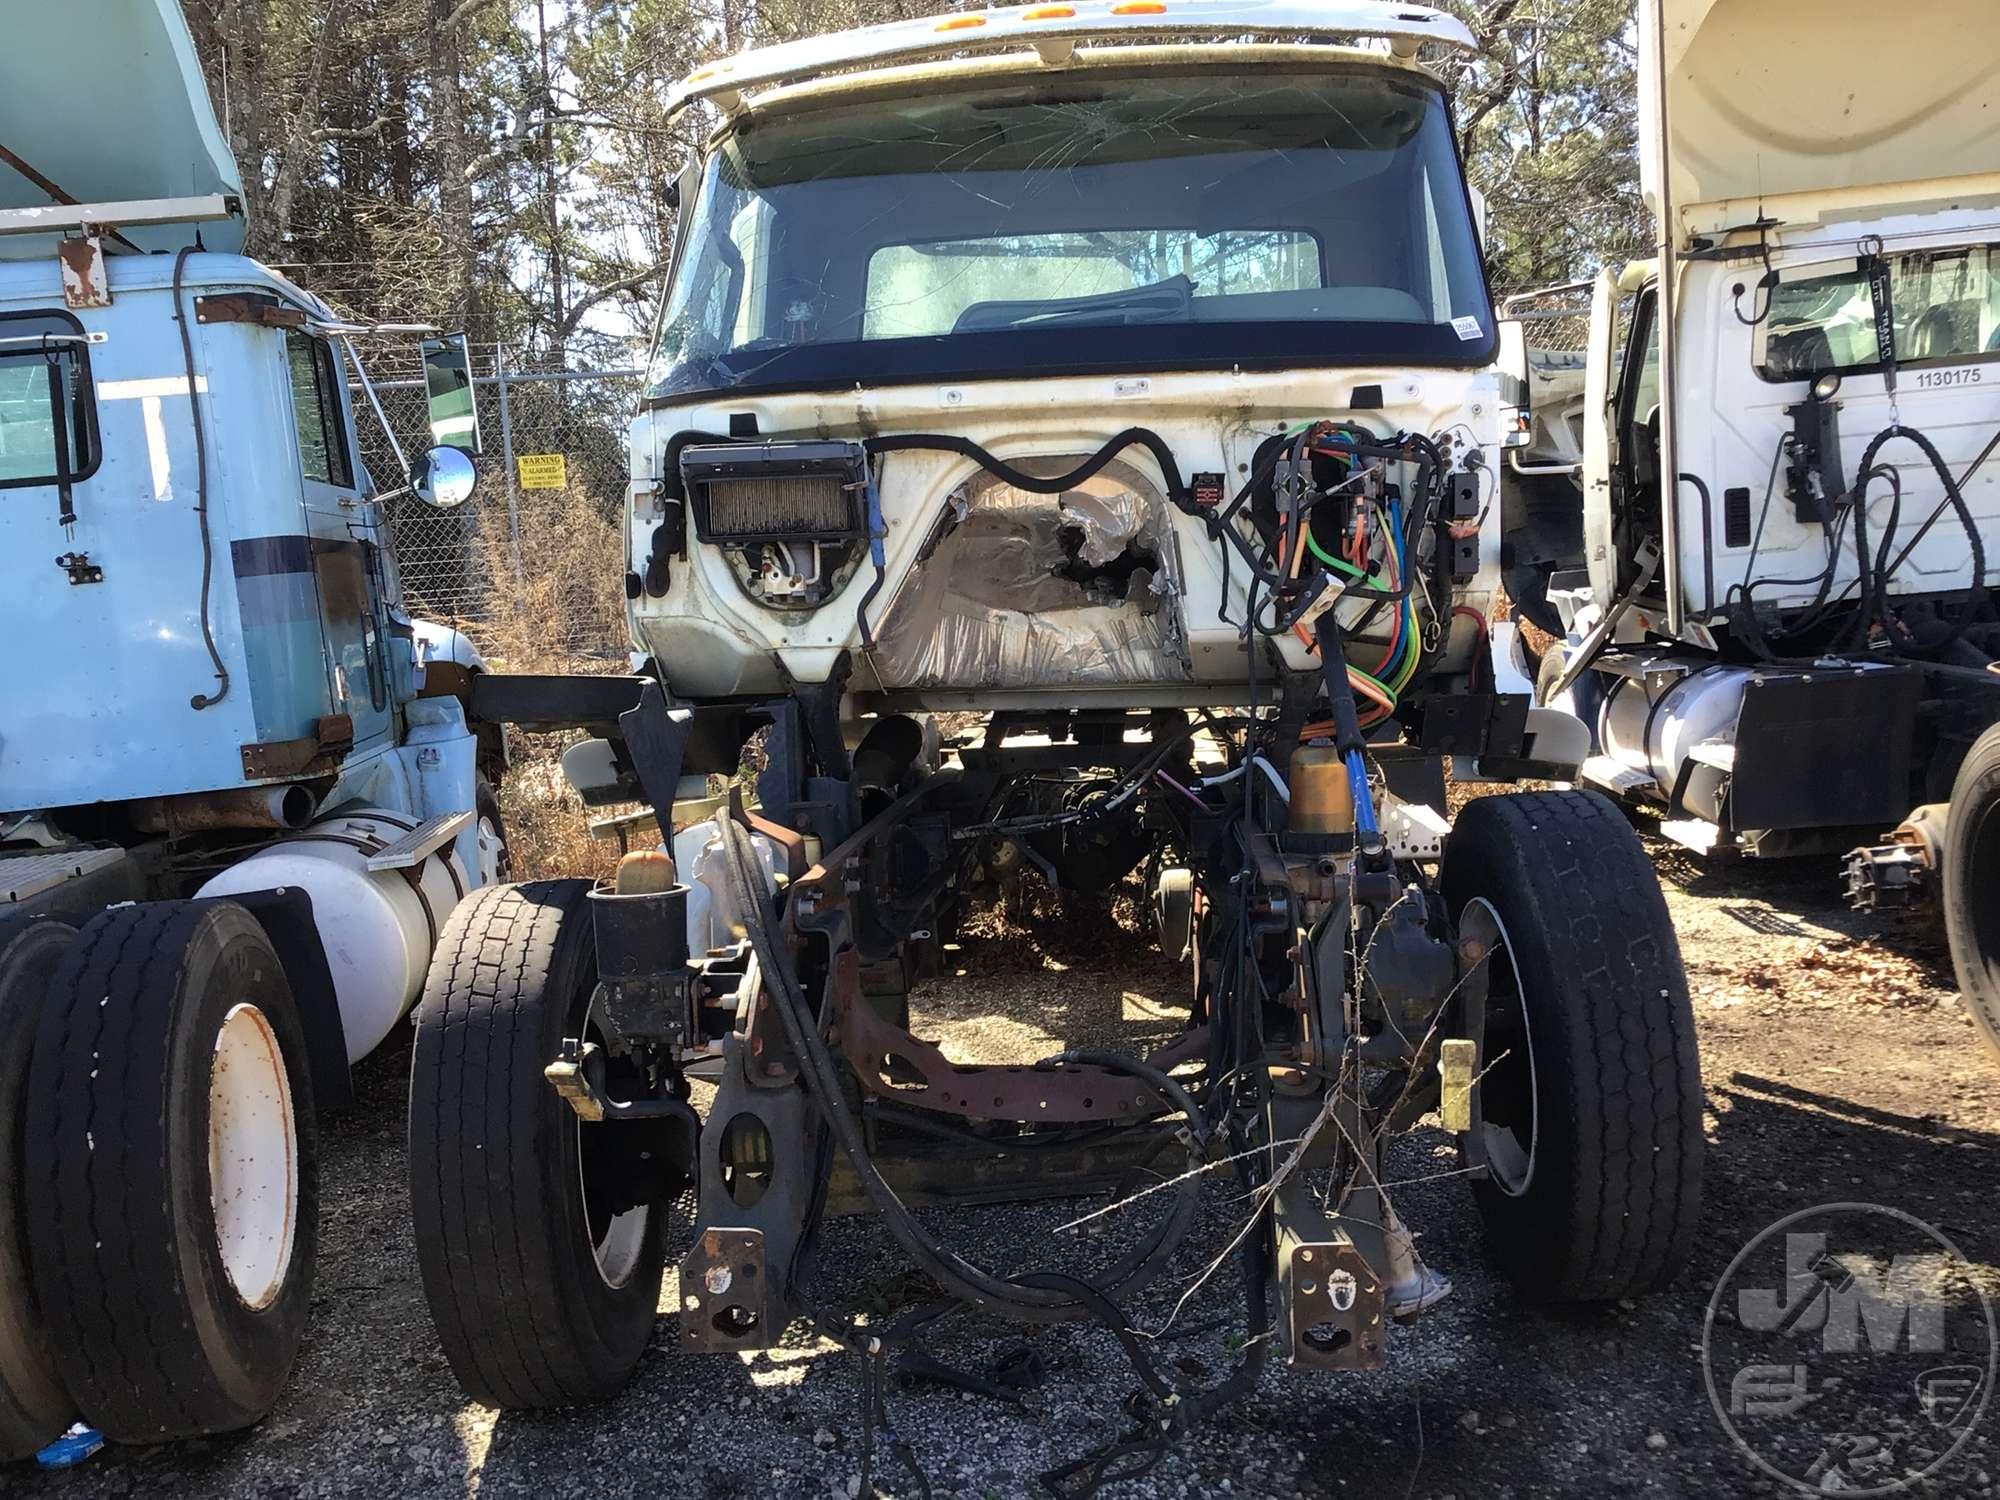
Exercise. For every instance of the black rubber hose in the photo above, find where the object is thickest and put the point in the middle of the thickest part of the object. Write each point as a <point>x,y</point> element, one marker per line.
<point>670,464</point>
<point>199,700</point>
<point>1975,593</point>
<point>1144,1071</point>
<point>1109,1313</point>
<point>1257,1269</point>
<point>1964,479</point>
<point>951,1271</point>
<point>1347,735</point>
<point>1879,567</point>
<point>1034,484</point>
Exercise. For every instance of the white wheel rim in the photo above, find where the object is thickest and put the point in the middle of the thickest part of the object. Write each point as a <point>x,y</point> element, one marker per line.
<point>1512,1169</point>
<point>253,1156</point>
<point>616,1250</point>
<point>491,848</point>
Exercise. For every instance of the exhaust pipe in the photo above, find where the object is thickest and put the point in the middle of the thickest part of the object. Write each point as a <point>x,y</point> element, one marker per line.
<point>281,807</point>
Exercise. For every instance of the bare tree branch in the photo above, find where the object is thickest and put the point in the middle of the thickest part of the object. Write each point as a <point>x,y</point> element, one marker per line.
<point>606,292</point>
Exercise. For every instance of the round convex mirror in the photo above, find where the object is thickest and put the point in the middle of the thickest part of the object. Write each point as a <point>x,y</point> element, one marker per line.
<point>443,478</point>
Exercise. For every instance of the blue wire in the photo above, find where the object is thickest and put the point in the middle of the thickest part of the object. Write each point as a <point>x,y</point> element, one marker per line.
<point>876,530</point>
<point>1408,606</point>
<point>1364,801</point>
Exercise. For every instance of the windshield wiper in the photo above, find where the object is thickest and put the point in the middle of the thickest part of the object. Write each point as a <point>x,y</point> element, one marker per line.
<point>1160,302</point>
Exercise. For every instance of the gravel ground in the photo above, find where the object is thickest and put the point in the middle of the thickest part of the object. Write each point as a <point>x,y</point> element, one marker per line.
<point>1837,1065</point>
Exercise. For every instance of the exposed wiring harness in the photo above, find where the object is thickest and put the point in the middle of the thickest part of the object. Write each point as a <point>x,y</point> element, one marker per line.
<point>1278,567</point>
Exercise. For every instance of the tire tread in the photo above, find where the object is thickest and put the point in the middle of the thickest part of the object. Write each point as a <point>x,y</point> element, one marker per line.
<point>1623,1032</point>
<point>493,1258</point>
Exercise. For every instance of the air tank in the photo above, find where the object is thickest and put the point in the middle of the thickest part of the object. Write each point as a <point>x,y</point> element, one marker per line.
<point>1652,724</point>
<point>378,926</point>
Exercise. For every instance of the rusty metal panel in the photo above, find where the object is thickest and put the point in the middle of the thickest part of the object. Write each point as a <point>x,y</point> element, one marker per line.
<point>260,308</point>
<point>84,283</point>
<point>1330,1302</point>
<point>723,1294</point>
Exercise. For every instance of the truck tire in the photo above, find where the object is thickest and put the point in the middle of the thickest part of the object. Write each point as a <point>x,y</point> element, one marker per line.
<point>1972,882</point>
<point>34,1407</point>
<point>172,1177</point>
<point>537,1300</point>
<point>1591,1096</point>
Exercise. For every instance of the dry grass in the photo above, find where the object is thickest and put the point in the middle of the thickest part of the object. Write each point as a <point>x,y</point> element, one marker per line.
<point>566,613</point>
<point>566,610</point>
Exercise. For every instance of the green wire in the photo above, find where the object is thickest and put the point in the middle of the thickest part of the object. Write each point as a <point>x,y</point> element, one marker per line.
<point>1410,655</point>
<point>1374,682</point>
<point>1331,561</point>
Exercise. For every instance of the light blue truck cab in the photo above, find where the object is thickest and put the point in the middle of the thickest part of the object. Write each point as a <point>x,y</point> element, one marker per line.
<point>235,810</point>
<point>224,584</point>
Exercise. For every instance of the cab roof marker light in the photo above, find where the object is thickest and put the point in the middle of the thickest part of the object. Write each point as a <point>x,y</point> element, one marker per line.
<point>1053,50</point>
<point>1404,28</point>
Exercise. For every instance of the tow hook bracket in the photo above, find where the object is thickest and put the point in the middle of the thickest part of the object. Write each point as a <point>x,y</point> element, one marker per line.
<point>723,1288</point>
<point>578,1075</point>
<point>1331,1306</point>
<point>566,1073</point>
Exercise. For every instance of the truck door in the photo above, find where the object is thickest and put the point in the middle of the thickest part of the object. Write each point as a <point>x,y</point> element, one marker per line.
<point>344,564</point>
<point>1621,481</point>
<point>1597,543</point>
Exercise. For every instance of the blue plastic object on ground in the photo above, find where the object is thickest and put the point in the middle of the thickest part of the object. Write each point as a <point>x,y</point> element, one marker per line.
<point>73,1447</point>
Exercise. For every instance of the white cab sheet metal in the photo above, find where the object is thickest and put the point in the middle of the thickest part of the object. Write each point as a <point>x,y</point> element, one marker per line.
<point>1798,109</point>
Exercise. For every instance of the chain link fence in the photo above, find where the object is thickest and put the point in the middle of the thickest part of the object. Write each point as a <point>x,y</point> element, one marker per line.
<point>533,564</point>
<point>1556,319</point>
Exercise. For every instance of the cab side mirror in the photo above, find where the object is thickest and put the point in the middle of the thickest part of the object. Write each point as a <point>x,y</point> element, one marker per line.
<point>454,406</point>
<point>443,478</point>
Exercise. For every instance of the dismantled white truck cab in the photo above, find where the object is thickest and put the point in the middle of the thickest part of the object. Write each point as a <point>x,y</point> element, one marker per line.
<point>1046,256</point>
<point>1788,517</point>
<point>1136,400</point>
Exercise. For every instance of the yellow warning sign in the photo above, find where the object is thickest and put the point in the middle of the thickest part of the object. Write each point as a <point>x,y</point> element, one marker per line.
<point>542,471</point>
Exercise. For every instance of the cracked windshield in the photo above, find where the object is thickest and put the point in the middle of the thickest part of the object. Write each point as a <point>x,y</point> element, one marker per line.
<point>1210,219</point>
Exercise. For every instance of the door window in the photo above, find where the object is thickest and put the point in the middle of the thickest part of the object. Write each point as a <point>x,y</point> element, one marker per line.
<point>1945,304</point>
<point>1639,387</point>
<point>1635,458</point>
<point>46,400</point>
<point>316,405</point>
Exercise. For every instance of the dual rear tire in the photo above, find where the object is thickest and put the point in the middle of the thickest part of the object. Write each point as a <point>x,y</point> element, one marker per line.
<point>34,1406</point>
<point>161,1179</point>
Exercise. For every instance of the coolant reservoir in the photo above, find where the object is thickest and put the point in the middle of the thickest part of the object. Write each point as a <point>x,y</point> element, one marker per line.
<point>1322,797</point>
<point>712,919</point>
<point>378,926</point>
